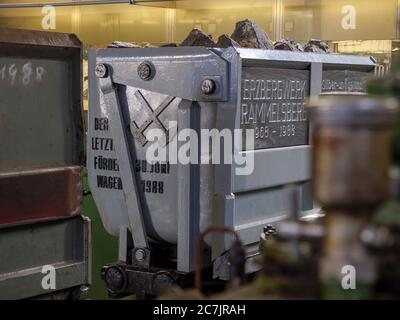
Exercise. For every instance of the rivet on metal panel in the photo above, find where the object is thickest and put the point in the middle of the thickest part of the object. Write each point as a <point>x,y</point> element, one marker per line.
<point>100,70</point>
<point>208,86</point>
<point>140,254</point>
<point>145,71</point>
<point>269,229</point>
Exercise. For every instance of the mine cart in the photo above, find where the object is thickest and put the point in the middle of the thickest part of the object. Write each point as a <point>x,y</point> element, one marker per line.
<point>43,233</point>
<point>158,208</point>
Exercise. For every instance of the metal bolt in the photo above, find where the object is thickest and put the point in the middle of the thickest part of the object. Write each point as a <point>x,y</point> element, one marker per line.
<point>84,289</point>
<point>145,71</point>
<point>208,86</point>
<point>83,292</point>
<point>140,254</point>
<point>269,229</point>
<point>100,70</point>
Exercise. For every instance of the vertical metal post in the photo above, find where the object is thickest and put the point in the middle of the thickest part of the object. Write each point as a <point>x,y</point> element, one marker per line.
<point>126,159</point>
<point>188,191</point>
<point>316,70</point>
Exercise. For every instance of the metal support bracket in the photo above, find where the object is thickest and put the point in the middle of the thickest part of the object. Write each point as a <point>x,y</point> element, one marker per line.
<point>126,157</point>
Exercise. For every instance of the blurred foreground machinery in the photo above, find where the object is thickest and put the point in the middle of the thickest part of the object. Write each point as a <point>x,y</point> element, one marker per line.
<point>351,162</point>
<point>348,253</point>
<point>159,208</point>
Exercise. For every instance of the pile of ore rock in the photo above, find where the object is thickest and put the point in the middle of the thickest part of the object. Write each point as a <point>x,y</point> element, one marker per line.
<point>247,34</point>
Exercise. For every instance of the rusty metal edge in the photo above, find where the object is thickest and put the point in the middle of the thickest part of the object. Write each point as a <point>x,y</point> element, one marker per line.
<point>21,171</point>
<point>39,38</point>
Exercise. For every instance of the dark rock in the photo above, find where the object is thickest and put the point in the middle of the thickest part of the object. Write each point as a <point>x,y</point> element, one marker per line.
<point>288,45</point>
<point>198,38</point>
<point>121,44</point>
<point>169,45</point>
<point>226,41</point>
<point>316,46</point>
<point>249,35</point>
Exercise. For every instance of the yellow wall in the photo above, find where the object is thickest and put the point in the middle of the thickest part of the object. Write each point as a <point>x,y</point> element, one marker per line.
<point>302,19</point>
<point>375,20</point>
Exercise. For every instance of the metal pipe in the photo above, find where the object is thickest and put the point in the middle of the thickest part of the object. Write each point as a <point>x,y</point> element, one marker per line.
<point>72,3</point>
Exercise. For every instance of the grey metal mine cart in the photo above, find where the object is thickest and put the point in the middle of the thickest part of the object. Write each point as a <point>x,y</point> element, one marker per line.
<point>158,209</point>
<point>42,229</point>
